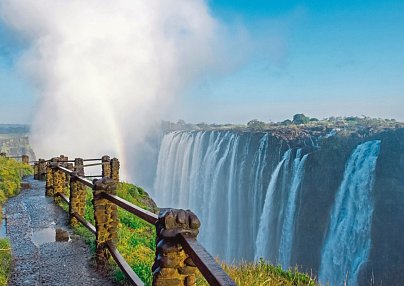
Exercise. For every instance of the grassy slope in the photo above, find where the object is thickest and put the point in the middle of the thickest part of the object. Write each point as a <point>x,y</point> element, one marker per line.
<point>10,179</point>
<point>137,245</point>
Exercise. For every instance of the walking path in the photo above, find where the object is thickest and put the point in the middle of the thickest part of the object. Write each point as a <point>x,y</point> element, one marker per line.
<point>34,223</point>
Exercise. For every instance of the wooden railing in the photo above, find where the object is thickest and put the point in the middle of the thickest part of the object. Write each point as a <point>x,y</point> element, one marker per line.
<point>178,253</point>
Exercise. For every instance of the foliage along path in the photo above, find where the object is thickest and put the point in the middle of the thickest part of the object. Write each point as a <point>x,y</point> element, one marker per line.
<point>44,250</point>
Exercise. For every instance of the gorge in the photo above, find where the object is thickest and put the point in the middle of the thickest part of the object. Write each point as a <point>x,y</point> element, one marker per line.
<point>330,202</point>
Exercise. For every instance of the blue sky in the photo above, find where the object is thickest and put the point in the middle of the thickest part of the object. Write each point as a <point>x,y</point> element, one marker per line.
<point>323,58</point>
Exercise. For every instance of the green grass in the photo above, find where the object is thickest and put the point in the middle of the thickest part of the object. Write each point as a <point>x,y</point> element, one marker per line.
<point>5,261</point>
<point>11,172</point>
<point>261,273</point>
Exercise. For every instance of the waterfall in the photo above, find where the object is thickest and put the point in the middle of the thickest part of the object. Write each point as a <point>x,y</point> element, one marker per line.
<point>261,244</point>
<point>220,175</point>
<point>259,164</point>
<point>287,233</point>
<point>241,187</point>
<point>347,243</point>
<point>274,240</point>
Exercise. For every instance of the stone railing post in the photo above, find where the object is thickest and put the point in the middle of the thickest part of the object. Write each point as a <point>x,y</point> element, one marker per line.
<point>62,158</point>
<point>106,166</point>
<point>115,169</point>
<point>41,169</point>
<point>25,159</point>
<point>78,166</point>
<point>36,171</point>
<point>172,266</point>
<point>58,181</point>
<point>70,167</point>
<point>106,218</point>
<point>77,198</point>
<point>49,178</point>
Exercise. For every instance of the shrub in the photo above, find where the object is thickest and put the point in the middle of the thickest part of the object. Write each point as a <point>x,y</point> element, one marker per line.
<point>300,119</point>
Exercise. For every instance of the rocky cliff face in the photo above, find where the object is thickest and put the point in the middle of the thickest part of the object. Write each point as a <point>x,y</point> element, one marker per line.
<point>16,145</point>
<point>245,184</point>
<point>323,175</point>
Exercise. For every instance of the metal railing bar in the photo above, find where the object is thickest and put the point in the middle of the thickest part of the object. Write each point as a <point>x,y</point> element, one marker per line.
<point>64,198</point>
<point>65,170</point>
<point>206,264</point>
<point>137,211</point>
<point>72,161</point>
<point>126,269</point>
<point>61,161</point>
<point>85,182</point>
<point>87,224</point>
<point>91,165</point>
<point>93,176</point>
<point>88,160</point>
<point>82,180</point>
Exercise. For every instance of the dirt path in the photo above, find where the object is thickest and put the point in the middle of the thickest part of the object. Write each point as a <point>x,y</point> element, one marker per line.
<point>32,223</point>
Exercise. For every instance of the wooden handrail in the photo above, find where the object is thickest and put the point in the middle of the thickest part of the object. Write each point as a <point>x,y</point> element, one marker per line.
<point>92,165</point>
<point>133,209</point>
<point>124,266</point>
<point>64,198</point>
<point>82,180</point>
<point>88,225</point>
<point>72,161</point>
<point>206,264</point>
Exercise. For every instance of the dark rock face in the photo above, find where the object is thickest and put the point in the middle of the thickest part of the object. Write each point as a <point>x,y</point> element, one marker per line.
<point>323,175</point>
<point>386,261</point>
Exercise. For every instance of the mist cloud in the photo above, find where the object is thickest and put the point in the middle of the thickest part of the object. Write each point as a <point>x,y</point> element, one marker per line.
<point>107,69</point>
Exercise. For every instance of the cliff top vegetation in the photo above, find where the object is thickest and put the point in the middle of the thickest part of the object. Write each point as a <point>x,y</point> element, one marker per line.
<point>300,126</point>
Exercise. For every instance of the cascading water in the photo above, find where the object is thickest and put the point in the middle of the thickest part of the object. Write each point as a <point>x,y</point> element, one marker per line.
<point>286,240</point>
<point>225,177</point>
<point>265,195</point>
<point>218,175</point>
<point>262,242</point>
<point>278,218</point>
<point>347,243</point>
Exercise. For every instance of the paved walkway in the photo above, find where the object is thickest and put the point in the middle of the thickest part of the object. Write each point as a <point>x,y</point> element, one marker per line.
<point>34,222</point>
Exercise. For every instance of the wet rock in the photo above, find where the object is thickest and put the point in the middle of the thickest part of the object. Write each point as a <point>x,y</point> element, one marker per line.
<point>25,186</point>
<point>62,235</point>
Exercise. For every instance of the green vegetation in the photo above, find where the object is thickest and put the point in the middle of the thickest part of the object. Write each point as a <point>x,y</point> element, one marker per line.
<point>301,126</point>
<point>261,273</point>
<point>5,261</point>
<point>300,119</point>
<point>11,173</point>
<point>255,124</point>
